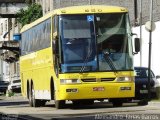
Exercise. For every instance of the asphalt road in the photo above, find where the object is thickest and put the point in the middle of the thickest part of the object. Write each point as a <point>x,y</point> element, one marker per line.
<point>17,108</point>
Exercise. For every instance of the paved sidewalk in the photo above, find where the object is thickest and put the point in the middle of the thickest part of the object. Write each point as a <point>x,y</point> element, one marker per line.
<point>16,96</point>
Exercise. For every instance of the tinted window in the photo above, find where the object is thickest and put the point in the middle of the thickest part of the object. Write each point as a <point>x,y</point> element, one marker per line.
<point>36,38</point>
<point>143,73</point>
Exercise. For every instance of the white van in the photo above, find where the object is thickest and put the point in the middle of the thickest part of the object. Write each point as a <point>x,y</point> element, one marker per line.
<point>15,86</point>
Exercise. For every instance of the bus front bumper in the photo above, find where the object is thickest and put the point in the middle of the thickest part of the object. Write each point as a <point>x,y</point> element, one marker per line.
<point>96,91</point>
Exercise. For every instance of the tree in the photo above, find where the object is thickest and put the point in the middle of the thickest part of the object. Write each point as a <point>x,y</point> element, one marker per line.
<point>26,16</point>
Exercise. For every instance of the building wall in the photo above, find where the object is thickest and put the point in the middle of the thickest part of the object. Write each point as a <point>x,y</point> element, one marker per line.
<point>3,65</point>
<point>8,26</point>
<point>146,10</point>
<point>54,4</point>
<point>9,9</point>
<point>8,71</point>
<point>3,28</point>
<point>130,4</point>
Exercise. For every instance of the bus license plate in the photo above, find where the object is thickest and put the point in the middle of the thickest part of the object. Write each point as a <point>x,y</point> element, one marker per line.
<point>98,88</point>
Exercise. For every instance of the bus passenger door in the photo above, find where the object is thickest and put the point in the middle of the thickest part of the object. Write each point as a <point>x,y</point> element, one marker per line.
<point>55,45</point>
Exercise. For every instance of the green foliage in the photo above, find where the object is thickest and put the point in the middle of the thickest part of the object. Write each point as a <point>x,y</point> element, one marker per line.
<point>9,93</point>
<point>26,16</point>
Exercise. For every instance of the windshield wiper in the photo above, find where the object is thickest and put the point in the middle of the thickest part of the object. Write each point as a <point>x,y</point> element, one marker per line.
<point>87,58</point>
<point>109,61</point>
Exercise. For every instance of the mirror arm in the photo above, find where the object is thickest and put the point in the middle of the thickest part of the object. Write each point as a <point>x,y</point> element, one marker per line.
<point>134,53</point>
<point>132,34</point>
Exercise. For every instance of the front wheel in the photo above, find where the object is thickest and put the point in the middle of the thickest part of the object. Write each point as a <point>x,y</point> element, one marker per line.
<point>59,104</point>
<point>143,102</point>
<point>116,102</point>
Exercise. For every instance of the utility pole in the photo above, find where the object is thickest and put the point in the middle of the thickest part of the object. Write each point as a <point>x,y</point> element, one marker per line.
<point>140,22</point>
<point>150,48</point>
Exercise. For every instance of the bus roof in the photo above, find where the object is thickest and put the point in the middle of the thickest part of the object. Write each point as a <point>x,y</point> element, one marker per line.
<point>87,9</point>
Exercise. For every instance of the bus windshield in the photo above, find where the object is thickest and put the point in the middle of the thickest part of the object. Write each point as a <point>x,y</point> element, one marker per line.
<point>98,42</point>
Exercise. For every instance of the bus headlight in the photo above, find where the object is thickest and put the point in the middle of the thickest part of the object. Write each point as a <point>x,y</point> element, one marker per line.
<point>70,81</point>
<point>125,79</point>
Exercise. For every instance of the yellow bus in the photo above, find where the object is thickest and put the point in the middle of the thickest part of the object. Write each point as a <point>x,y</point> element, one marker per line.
<point>80,54</point>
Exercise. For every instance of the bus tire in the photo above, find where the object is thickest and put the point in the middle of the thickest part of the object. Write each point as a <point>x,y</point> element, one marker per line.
<point>88,102</point>
<point>30,96</point>
<point>76,103</point>
<point>27,89</point>
<point>52,89</point>
<point>42,102</point>
<point>116,102</point>
<point>82,102</point>
<point>59,104</point>
<point>143,102</point>
<point>36,102</point>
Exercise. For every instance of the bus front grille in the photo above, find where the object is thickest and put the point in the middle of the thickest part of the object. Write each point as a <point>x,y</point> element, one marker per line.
<point>98,80</point>
<point>89,80</point>
<point>107,79</point>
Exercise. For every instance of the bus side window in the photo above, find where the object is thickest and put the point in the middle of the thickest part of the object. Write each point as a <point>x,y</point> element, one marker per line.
<point>55,25</point>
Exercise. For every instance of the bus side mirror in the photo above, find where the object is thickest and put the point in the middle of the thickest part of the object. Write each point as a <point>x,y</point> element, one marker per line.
<point>137,44</point>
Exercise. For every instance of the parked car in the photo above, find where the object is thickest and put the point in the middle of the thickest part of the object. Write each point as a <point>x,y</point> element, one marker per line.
<point>141,84</point>
<point>3,86</point>
<point>15,86</point>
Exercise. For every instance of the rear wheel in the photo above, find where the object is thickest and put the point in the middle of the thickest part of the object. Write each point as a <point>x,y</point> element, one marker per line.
<point>30,96</point>
<point>36,102</point>
<point>43,102</point>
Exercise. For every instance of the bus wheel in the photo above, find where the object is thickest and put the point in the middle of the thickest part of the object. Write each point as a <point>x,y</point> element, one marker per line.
<point>116,102</point>
<point>36,103</point>
<point>42,102</point>
<point>143,102</point>
<point>88,102</point>
<point>76,103</point>
<point>30,97</point>
<point>59,104</point>
<point>82,102</point>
